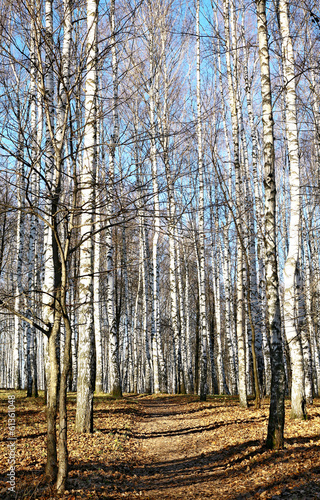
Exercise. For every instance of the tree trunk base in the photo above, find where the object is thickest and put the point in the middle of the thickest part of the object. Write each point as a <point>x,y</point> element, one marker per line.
<point>116,392</point>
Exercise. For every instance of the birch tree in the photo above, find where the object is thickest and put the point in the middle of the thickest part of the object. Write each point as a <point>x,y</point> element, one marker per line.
<point>276,412</point>
<point>234,105</point>
<point>202,297</point>
<point>115,382</point>
<point>19,250</point>
<point>298,401</point>
<point>86,350</point>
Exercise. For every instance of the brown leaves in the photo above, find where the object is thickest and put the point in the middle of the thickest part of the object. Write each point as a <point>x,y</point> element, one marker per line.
<point>93,459</point>
<point>172,447</point>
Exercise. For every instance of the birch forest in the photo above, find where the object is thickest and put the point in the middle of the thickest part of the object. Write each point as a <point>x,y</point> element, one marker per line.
<point>159,204</point>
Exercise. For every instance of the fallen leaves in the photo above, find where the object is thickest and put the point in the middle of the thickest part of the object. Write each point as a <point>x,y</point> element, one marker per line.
<point>167,447</point>
<point>94,459</point>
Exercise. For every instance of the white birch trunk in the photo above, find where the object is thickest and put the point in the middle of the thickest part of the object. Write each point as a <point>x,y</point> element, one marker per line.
<point>215,262</point>
<point>232,82</point>
<point>302,310</point>
<point>276,414</point>
<point>48,274</point>
<point>18,325</point>
<point>202,288</point>
<point>126,334</point>
<point>145,302</point>
<point>172,269</point>
<point>97,264</point>
<point>114,367</point>
<point>156,222</point>
<point>32,198</point>
<point>86,349</point>
<point>187,327</point>
<point>290,269</point>
<point>184,324</point>
<point>230,334</point>
<point>135,334</point>
<point>96,305</point>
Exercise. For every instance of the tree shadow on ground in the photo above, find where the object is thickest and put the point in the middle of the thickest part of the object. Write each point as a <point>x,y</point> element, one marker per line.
<point>114,411</point>
<point>27,436</point>
<point>192,430</point>
<point>208,473</point>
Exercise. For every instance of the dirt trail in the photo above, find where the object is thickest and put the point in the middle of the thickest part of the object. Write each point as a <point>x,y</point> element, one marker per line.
<point>173,443</point>
<point>191,450</point>
<point>170,432</point>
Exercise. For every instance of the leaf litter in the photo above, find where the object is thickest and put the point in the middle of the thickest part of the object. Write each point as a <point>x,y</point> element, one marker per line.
<point>166,447</point>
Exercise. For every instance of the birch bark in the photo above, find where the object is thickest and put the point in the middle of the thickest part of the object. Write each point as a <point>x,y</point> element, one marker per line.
<point>312,296</point>
<point>86,349</point>
<point>202,292</point>
<point>259,216</point>
<point>114,367</point>
<point>230,334</point>
<point>276,413</point>
<point>32,198</point>
<point>96,302</point>
<point>184,293</point>
<point>18,327</point>
<point>298,403</point>
<point>156,222</point>
<point>172,256</point>
<point>232,82</point>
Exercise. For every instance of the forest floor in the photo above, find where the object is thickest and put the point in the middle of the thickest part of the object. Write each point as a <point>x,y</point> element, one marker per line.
<point>165,447</point>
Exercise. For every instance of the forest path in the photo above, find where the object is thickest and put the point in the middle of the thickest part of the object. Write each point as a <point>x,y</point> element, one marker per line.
<point>173,435</point>
<point>182,451</point>
<point>214,450</point>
